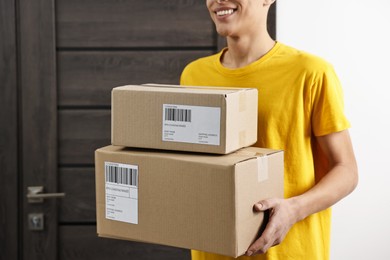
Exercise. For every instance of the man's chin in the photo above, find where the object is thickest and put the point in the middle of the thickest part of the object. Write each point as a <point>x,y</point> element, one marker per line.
<point>223,32</point>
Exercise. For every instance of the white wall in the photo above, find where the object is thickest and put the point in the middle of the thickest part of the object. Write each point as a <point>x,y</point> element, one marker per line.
<point>354,35</point>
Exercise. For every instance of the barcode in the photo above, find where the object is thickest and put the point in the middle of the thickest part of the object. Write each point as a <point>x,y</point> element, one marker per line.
<point>175,114</point>
<point>121,175</point>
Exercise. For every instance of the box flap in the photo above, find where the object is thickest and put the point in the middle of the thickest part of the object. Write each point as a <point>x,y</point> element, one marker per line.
<point>195,87</point>
<point>182,89</point>
<point>241,155</point>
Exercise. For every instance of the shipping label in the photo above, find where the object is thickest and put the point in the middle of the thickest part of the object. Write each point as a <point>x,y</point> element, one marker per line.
<point>121,192</point>
<point>191,124</point>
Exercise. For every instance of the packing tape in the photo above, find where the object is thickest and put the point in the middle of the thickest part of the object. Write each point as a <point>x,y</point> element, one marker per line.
<point>242,138</point>
<point>262,168</point>
<point>242,101</point>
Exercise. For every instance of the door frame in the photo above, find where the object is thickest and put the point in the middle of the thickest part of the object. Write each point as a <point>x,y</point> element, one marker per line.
<point>8,133</point>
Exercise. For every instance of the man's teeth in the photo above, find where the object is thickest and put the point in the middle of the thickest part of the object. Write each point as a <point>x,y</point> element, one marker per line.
<point>225,12</point>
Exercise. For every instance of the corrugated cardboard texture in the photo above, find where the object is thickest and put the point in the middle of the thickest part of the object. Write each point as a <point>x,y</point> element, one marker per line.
<point>190,200</point>
<point>137,116</point>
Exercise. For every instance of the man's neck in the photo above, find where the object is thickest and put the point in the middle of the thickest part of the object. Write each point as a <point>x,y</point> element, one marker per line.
<point>246,50</point>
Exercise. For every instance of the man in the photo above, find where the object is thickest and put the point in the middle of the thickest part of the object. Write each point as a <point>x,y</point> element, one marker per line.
<point>301,112</point>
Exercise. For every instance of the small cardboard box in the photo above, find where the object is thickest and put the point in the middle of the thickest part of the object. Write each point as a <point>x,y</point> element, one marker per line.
<point>196,119</point>
<point>187,200</point>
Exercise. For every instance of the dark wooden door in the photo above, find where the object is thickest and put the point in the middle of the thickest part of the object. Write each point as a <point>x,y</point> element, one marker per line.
<point>60,61</point>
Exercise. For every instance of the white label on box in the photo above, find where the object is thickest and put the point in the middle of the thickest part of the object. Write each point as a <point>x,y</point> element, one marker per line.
<point>121,192</point>
<point>191,124</point>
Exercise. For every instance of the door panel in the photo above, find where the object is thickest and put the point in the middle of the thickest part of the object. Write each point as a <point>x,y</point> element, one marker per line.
<point>134,23</point>
<point>86,78</point>
<point>79,204</point>
<point>38,110</point>
<point>77,241</point>
<point>81,132</point>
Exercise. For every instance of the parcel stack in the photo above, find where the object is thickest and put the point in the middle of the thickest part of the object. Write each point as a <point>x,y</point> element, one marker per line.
<point>180,170</point>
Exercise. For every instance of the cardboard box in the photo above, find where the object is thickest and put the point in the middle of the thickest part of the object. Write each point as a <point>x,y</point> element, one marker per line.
<point>187,200</point>
<point>198,119</point>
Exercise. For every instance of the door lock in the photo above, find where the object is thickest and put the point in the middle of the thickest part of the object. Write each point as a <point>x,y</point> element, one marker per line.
<point>36,221</point>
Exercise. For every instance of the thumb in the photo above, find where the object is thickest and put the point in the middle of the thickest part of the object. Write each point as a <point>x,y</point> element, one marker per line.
<point>263,205</point>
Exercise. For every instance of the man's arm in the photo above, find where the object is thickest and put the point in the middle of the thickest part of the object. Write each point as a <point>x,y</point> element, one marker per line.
<point>337,183</point>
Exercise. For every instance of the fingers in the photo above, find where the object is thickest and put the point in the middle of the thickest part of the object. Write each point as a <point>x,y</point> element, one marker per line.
<point>274,230</point>
<point>261,245</point>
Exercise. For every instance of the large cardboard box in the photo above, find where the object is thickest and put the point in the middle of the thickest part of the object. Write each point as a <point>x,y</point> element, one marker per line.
<point>187,200</point>
<point>198,119</point>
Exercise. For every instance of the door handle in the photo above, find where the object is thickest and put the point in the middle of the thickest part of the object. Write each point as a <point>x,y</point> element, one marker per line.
<point>35,194</point>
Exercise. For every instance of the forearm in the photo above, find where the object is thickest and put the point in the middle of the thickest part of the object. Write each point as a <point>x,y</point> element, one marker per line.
<point>340,181</point>
<point>337,183</point>
<point>331,187</point>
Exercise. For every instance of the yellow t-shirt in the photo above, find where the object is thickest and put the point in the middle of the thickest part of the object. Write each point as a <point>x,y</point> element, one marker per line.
<point>299,97</point>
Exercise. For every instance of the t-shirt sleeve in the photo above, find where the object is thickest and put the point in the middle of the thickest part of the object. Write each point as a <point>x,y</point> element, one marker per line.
<point>184,76</point>
<point>327,103</point>
<point>190,74</point>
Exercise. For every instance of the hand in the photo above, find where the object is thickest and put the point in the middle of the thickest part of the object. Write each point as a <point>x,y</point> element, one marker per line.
<point>283,214</point>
